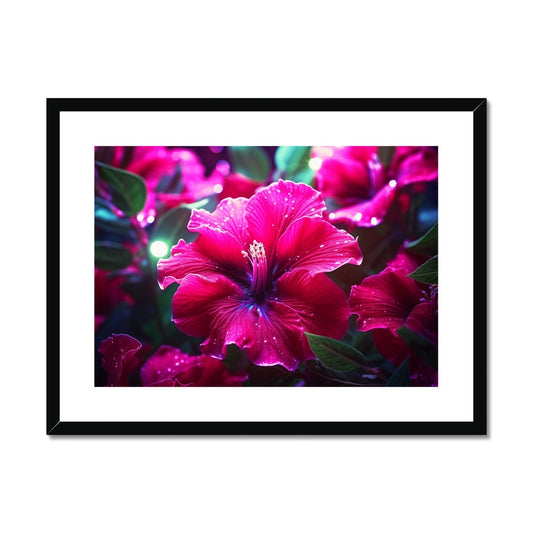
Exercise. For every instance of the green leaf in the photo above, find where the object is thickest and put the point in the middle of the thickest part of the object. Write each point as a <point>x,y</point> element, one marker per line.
<point>350,377</point>
<point>111,256</point>
<point>335,354</point>
<point>128,190</point>
<point>427,244</point>
<point>423,348</point>
<point>427,272</point>
<point>251,161</point>
<point>293,162</point>
<point>172,226</point>
<point>106,220</point>
<point>400,378</point>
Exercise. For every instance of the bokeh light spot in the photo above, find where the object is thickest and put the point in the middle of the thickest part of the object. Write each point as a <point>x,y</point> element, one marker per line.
<point>223,167</point>
<point>158,249</point>
<point>315,163</point>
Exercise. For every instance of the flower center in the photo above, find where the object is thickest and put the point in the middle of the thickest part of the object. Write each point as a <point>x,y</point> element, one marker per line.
<point>257,257</point>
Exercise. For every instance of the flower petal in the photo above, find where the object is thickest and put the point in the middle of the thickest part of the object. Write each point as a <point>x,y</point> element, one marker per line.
<point>367,214</point>
<point>150,162</point>
<point>423,319</point>
<point>215,374</point>
<point>228,216</point>
<point>273,209</point>
<point>344,172</point>
<point>217,308</point>
<point>320,304</point>
<point>414,164</point>
<point>390,345</point>
<point>238,185</point>
<point>214,252</point>
<point>119,352</point>
<point>169,367</point>
<point>406,261</point>
<point>274,335</point>
<point>184,259</point>
<point>384,300</point>
<point>201,304</point>
<point>317,246</point>
<point>393,348</point>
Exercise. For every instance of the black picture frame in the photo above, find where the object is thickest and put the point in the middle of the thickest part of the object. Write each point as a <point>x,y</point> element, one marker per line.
<point>476,107</point>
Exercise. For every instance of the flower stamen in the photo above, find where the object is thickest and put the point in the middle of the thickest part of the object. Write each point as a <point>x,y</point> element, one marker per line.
<point>257,257</point>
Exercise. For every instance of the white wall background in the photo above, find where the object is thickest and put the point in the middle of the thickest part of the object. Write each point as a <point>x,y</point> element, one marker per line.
<point>279,49</point>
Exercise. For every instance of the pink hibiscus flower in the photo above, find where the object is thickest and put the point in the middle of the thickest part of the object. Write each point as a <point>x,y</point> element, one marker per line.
<point>156,162</point>
<point>389,300</point>
<point>120,358</point>
<point>364,188</point>
<point>170,367</point>
<point>255,275</point>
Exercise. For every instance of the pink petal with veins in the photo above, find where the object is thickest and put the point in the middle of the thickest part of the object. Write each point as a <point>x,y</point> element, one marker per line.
<point>119,353</point>
<point>316,246</point>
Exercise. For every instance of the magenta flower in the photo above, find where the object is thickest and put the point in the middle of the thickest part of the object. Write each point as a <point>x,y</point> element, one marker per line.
<point>255,275</point>
<point>364,188</point>
<point>389,300</point>
<point>120,358</point>
<point>154,163</point>
<point>170,367</point>
<point>238,185</point>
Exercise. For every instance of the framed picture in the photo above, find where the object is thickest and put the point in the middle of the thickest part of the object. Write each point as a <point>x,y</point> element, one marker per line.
<point>266,266</point>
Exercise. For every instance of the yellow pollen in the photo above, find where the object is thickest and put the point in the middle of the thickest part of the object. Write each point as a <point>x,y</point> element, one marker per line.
<point>257,250</point>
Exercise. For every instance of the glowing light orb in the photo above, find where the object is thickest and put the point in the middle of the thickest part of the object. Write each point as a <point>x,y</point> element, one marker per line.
<point>393,183</point>
<point>158,249</point>
<point>218,188</point>
<point>315,163</point>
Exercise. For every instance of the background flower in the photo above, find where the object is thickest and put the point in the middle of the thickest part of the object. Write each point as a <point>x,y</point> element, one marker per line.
<point>170,367</point>
<point>363,186</point>
<point>391,300</point>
